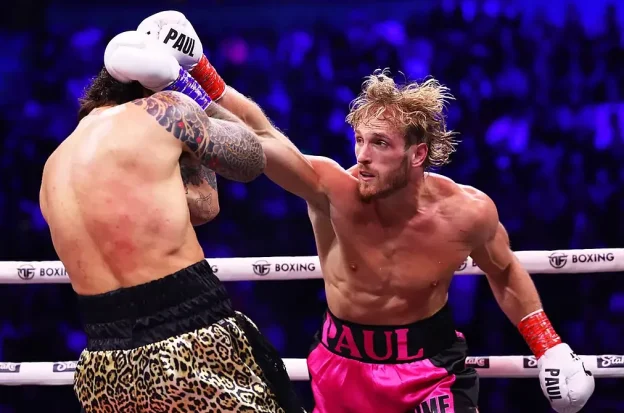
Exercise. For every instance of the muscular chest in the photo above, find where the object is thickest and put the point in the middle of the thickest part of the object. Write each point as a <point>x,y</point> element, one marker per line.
<point>427,248</point>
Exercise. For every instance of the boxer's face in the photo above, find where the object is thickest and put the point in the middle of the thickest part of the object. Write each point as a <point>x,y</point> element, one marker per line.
<point>383,162</point>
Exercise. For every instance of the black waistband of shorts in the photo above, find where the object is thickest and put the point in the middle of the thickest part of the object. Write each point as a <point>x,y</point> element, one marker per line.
<point>131,317</point>
<point>389,344</point>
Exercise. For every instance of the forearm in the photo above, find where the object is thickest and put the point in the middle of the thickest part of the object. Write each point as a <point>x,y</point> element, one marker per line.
<point>515,292</point>
<point>518,298</point>
<point>234,106</point>
<point>216,111</point>
<point>229,98</point>
<point>252,115</point>
<point>285,164</point>
<point>247,110</point>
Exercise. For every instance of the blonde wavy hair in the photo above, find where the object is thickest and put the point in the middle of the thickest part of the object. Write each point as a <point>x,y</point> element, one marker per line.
<point>415,108</point>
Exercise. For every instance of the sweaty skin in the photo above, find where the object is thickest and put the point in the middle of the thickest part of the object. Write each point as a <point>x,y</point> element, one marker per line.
<point>390,260</point>
<point>115,197</point>
<point>385,267</point>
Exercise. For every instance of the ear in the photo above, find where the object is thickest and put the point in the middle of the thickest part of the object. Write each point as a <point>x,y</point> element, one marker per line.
<point>417,154</point>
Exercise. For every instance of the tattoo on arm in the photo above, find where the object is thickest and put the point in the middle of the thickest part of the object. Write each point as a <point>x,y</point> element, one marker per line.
<point>229,149</point>
<point>194,173</point>
<point>201,208</point>
<point>200,184</point>
<point>210,177</point>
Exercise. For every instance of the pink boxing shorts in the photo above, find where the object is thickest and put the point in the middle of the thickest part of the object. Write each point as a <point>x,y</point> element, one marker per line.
<point>418,368</point>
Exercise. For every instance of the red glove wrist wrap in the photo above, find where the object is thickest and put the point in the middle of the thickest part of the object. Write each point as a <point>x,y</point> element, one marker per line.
<point>207,76</point>
<point>538,333</point>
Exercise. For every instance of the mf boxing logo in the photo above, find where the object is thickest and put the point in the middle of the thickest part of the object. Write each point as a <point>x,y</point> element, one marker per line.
<point>529,362</point>
<point>262,267</point>
<point>610,362</point>
<point>559,260</point>
<point>10,367</point>
<point>478,362</point>
<point>64,366</point>
<point>26,272</point>
<point>181,42</point>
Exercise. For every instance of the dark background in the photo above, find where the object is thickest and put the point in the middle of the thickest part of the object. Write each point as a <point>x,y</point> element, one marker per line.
<point>540,110</point>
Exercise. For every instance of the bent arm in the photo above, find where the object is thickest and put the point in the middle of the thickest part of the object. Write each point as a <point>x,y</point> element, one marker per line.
<point>286,165</point>
<point>230,149</point>
<point>511,284</point>
<point>200,184</point>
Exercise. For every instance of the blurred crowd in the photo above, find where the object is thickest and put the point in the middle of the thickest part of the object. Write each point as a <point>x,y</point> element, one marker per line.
<point>539,108</point>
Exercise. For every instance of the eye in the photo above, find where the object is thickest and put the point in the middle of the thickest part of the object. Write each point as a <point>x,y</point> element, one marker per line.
<point>382,143</point>
<point>358,139</point>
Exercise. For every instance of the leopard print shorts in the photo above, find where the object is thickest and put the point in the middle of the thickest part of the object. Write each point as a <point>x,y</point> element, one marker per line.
<point>207,370</point>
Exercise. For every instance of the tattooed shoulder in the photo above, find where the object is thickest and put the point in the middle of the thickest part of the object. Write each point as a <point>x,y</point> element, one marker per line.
<point>179,115</point>
<point>228,148</point>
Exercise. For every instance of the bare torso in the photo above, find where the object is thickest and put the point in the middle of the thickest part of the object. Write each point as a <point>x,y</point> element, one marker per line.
<point>115,203</point>
<point>386,270</point>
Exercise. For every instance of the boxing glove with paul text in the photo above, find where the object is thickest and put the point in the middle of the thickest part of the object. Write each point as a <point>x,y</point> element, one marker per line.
<point>178,37</point>
<point>133,56</point>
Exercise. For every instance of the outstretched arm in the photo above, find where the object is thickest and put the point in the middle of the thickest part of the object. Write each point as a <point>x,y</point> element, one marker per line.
<point>286,165</point>
<point>230,149</point>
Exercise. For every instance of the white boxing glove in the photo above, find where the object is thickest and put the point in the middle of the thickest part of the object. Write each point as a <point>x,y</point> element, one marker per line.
<point>133,56</point>
<point>176,34</point>
<point>564,380</point>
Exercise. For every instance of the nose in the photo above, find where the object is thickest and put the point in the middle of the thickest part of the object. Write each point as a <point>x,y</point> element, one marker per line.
<point>363,154</point>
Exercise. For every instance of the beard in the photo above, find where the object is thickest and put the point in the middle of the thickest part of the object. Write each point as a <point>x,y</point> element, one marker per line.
<point>383,186</point>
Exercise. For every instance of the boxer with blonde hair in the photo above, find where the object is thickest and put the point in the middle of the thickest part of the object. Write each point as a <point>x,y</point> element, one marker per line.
<point>390,235</point>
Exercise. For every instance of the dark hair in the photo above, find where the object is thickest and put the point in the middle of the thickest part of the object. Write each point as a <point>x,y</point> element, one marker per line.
<point>106,90</point>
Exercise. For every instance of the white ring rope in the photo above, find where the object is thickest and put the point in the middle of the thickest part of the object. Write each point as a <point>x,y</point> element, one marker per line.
<point>62,372</point>
<point>301,268</point>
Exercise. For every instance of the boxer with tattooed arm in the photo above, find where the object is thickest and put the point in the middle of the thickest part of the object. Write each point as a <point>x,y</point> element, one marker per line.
<point>120,195</point>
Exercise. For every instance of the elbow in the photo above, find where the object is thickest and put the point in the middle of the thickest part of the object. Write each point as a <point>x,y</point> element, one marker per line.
<point>256,164</point>
<point>201,216</point>
<point>262,162</point>
<point>242,161</point>
<point>499,275</point>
